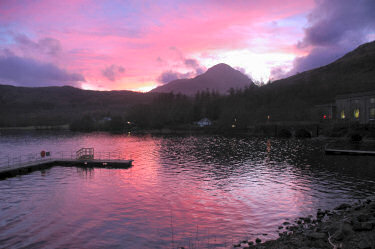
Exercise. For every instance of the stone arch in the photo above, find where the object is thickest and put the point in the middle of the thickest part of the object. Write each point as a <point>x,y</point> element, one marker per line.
<point>303,133</point>
<point>284,133</point>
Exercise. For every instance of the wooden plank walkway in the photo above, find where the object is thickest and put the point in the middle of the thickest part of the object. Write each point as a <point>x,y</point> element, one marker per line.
<point>24,168</point>
<point>349,152</point>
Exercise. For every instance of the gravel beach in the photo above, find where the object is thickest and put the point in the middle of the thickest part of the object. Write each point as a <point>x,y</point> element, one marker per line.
<point>347,226</point>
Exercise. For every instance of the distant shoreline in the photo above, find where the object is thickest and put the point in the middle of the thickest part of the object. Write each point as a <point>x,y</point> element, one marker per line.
<point>37,127</point>
<point>366,137</point>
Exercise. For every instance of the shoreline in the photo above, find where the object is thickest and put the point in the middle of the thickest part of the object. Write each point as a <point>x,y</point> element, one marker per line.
<point>348,226</point>
<point>284,130</point>
<point>167,131</point>
<point>37,128</point>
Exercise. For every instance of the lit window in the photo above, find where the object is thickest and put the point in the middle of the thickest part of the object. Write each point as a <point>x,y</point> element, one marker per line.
<point>342,114</point>
<point>372,113</point>
<point>356,113</point>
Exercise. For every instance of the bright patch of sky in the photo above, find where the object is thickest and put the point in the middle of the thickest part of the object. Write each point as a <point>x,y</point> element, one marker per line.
<point>256,65</point>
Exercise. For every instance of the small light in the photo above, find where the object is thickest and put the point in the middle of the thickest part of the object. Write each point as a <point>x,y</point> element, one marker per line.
<point>342,114</point>
<point>356,113</point>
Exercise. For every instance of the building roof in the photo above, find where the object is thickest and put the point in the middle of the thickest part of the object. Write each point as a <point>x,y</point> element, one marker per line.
<point>325,105</point>
<point>355,95</point>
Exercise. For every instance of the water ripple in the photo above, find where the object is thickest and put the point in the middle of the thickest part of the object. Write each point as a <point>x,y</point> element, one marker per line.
<point>197,190</point>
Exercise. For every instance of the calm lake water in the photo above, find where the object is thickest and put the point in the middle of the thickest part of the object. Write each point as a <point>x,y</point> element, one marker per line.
<point>191,191</point>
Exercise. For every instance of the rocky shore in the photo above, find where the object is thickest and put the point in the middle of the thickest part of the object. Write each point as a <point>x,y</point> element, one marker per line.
<point>347,226</point>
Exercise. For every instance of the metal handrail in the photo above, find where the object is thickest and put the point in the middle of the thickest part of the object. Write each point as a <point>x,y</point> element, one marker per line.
<point>85,153</point>
<point>11,161</point>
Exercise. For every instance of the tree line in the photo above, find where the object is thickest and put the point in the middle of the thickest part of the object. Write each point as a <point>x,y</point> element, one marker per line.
<point>240,107</point>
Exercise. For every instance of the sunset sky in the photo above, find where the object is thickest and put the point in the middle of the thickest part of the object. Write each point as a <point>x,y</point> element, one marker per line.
<point>137,45</point>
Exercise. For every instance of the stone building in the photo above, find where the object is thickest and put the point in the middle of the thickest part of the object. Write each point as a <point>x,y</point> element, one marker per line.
<point>325,112</point>
<point>357,107</point>
<point>204,122</point>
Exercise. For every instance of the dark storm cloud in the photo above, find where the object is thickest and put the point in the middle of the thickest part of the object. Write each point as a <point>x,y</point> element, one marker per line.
<point>335,28</point>
<point>199,70</point>
<point>319,56</point>
<point>47,45</point>
<point>339,21</point>
<point>279,72</point>
<point>168,76</point>
<point>113,72</point>
<point>191,63</point>
<point>29,72</point>
<point>194,64</point>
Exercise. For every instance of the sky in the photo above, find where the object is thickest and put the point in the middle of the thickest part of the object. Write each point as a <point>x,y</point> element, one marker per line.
<point>138,45</point>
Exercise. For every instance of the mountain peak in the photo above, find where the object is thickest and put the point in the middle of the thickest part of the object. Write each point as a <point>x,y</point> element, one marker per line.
<point>222,70</point>
<point>220,77</point>
<point>220,66</point>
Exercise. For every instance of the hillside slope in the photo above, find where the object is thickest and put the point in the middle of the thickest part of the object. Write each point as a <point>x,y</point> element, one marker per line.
<point>21,106</point>
<point>354,72</point>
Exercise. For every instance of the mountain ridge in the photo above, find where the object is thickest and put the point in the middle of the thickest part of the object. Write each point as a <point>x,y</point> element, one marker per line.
<point>220,78</point>
<point>290,98</point>
<point>23,106</point>
<point>353,72</point>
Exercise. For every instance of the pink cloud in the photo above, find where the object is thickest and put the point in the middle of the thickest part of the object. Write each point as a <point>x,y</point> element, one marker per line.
<point>133,34</point>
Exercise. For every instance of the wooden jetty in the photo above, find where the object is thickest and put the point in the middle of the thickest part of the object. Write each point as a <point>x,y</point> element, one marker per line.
<point>349,152</point>
<point>342,151</point>
<point>84,158</point>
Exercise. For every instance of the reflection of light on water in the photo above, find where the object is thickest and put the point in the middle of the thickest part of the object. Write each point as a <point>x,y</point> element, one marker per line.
<point>268,145</point>
<point>227,189</point>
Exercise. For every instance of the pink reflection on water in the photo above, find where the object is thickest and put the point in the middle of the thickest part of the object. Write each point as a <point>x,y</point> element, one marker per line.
<point>167,197</point>
<point>171,203</point>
